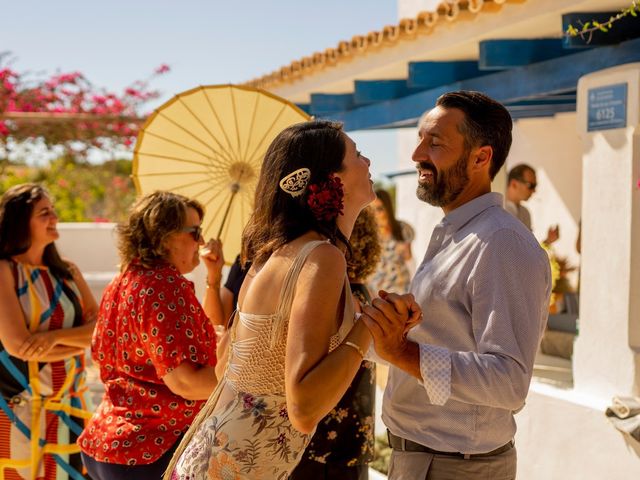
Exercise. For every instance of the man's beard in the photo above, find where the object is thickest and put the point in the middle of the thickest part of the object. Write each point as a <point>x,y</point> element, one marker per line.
<point>447,184</point>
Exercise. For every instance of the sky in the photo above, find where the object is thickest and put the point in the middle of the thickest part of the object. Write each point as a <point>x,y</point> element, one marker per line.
<point>115,42</point>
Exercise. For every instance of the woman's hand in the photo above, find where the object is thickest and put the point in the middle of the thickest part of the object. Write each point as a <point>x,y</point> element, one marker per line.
<point>402,303</point>
<point>38,344</point>
<point>389,319</point>
<point>213,258</point>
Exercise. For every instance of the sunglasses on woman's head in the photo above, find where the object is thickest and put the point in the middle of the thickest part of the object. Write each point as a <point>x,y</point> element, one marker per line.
<point>196,232</point>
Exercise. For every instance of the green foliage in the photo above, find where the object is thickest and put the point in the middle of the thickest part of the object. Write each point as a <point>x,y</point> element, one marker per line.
<point>382,454</point>
<point>586,30</point>
<point>81,192</point>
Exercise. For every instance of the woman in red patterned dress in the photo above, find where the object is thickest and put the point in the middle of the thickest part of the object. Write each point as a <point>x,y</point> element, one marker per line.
<point>153,342</point>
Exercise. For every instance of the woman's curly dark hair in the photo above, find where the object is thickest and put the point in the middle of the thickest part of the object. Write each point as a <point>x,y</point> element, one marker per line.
<point>365,247</point>
<point>151,219</point>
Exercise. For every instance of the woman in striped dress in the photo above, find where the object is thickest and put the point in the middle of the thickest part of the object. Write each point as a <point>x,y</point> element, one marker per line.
<point>46,320</point>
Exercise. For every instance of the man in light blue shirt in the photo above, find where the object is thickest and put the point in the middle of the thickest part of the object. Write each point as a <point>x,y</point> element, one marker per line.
<point>457,379</point>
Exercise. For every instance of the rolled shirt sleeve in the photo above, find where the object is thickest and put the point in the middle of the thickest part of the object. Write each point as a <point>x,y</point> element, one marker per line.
<point>435,368</point>
<point>509,295</point>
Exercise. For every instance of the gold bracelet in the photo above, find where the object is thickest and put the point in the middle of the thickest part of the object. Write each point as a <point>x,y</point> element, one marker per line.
<point>355,346</point>
<point>214,285</point>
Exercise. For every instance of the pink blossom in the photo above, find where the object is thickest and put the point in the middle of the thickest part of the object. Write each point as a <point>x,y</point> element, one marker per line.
<point>163,68</point>
<point>132,92</point>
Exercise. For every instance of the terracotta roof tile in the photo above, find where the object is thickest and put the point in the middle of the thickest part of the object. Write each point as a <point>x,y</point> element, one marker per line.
<point>406,29</point>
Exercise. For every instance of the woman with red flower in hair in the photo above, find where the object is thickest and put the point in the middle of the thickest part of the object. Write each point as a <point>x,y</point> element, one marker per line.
<point>295,343</point>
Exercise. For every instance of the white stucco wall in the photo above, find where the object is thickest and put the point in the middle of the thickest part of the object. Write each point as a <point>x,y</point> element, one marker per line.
<point>552,147</point>
<point>607,353</point>
<point>565,436</point>
<point>92,247</point>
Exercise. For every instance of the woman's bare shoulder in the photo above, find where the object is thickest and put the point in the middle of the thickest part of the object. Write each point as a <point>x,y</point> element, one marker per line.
<point>6,276</point>
<point>328,256</point>
<point>5,267</point>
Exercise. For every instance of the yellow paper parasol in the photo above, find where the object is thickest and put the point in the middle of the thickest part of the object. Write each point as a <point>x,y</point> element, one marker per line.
<point>208,144</point>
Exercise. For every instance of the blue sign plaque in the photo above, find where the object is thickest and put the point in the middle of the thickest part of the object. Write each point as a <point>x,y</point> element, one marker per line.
<point>607,107</point>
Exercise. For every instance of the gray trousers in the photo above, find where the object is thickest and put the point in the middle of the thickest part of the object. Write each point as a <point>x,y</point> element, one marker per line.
<point>427,466</point>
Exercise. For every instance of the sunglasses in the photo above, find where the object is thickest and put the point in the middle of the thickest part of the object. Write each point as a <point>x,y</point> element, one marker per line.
<point>195,232</point>
<point>530,185</point>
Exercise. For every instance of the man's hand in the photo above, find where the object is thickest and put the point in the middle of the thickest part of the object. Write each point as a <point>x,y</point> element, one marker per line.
<point>415,311</point>
<point>389,318</point>
<point>553,234</point>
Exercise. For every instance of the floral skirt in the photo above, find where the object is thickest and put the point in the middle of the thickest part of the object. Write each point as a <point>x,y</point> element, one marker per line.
<point>249,438</point>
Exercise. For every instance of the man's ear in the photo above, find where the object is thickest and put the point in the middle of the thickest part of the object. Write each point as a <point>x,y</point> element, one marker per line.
<point>482,157</point>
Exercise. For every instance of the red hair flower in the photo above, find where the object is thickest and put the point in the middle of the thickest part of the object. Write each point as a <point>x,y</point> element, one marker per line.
<point>325,199</point>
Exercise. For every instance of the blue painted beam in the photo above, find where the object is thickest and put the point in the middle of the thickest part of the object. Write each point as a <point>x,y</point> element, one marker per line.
<point>627,28</point>
<point>503,54</point>
<point>373,91</point>
<point>539,110</point>
<point>559,75</point>
<point>545,100</point>
<point>426,75</point>
<point>324,103</point>
<point>305,107</point>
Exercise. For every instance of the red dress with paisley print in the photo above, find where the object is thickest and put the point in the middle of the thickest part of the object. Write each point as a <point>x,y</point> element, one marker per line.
<point>150,321</point>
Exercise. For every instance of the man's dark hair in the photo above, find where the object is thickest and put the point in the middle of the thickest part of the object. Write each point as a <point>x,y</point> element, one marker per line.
<point>487,122</point>
<point>517,172</point>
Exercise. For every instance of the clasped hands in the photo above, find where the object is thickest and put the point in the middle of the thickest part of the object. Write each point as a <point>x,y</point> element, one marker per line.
<point>39,344</point>
<point>389,318</point>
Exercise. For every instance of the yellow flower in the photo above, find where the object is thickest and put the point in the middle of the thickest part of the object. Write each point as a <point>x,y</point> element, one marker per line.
<point>223,467</point>
<point>555,271</point>
<point>221,439</point>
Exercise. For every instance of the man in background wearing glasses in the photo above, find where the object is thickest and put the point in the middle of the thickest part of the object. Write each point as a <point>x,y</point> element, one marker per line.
<point>521,183</point>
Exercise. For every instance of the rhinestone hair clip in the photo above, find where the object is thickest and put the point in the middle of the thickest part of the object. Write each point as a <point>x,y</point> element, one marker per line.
<point>295,183</point>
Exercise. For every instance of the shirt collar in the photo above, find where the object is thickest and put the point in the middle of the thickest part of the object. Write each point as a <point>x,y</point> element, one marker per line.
<point>461,215</point>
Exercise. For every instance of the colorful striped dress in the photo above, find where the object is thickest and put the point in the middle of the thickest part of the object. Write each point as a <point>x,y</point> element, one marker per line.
<point>42,406</point>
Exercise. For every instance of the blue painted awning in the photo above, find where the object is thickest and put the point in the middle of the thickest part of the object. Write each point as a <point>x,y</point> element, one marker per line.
<point>536,89</point>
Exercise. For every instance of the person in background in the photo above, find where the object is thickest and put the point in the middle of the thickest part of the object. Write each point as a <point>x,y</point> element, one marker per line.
<point>521,184</point>
<point>47,316</point>
<point>342,446</point>
<point>154,344</point>
<point>227,299</point>
<point>221,301</point>
<point>392,273</point>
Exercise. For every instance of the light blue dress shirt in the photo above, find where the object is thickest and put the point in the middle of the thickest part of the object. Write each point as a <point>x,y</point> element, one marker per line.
<point>484,287</point>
